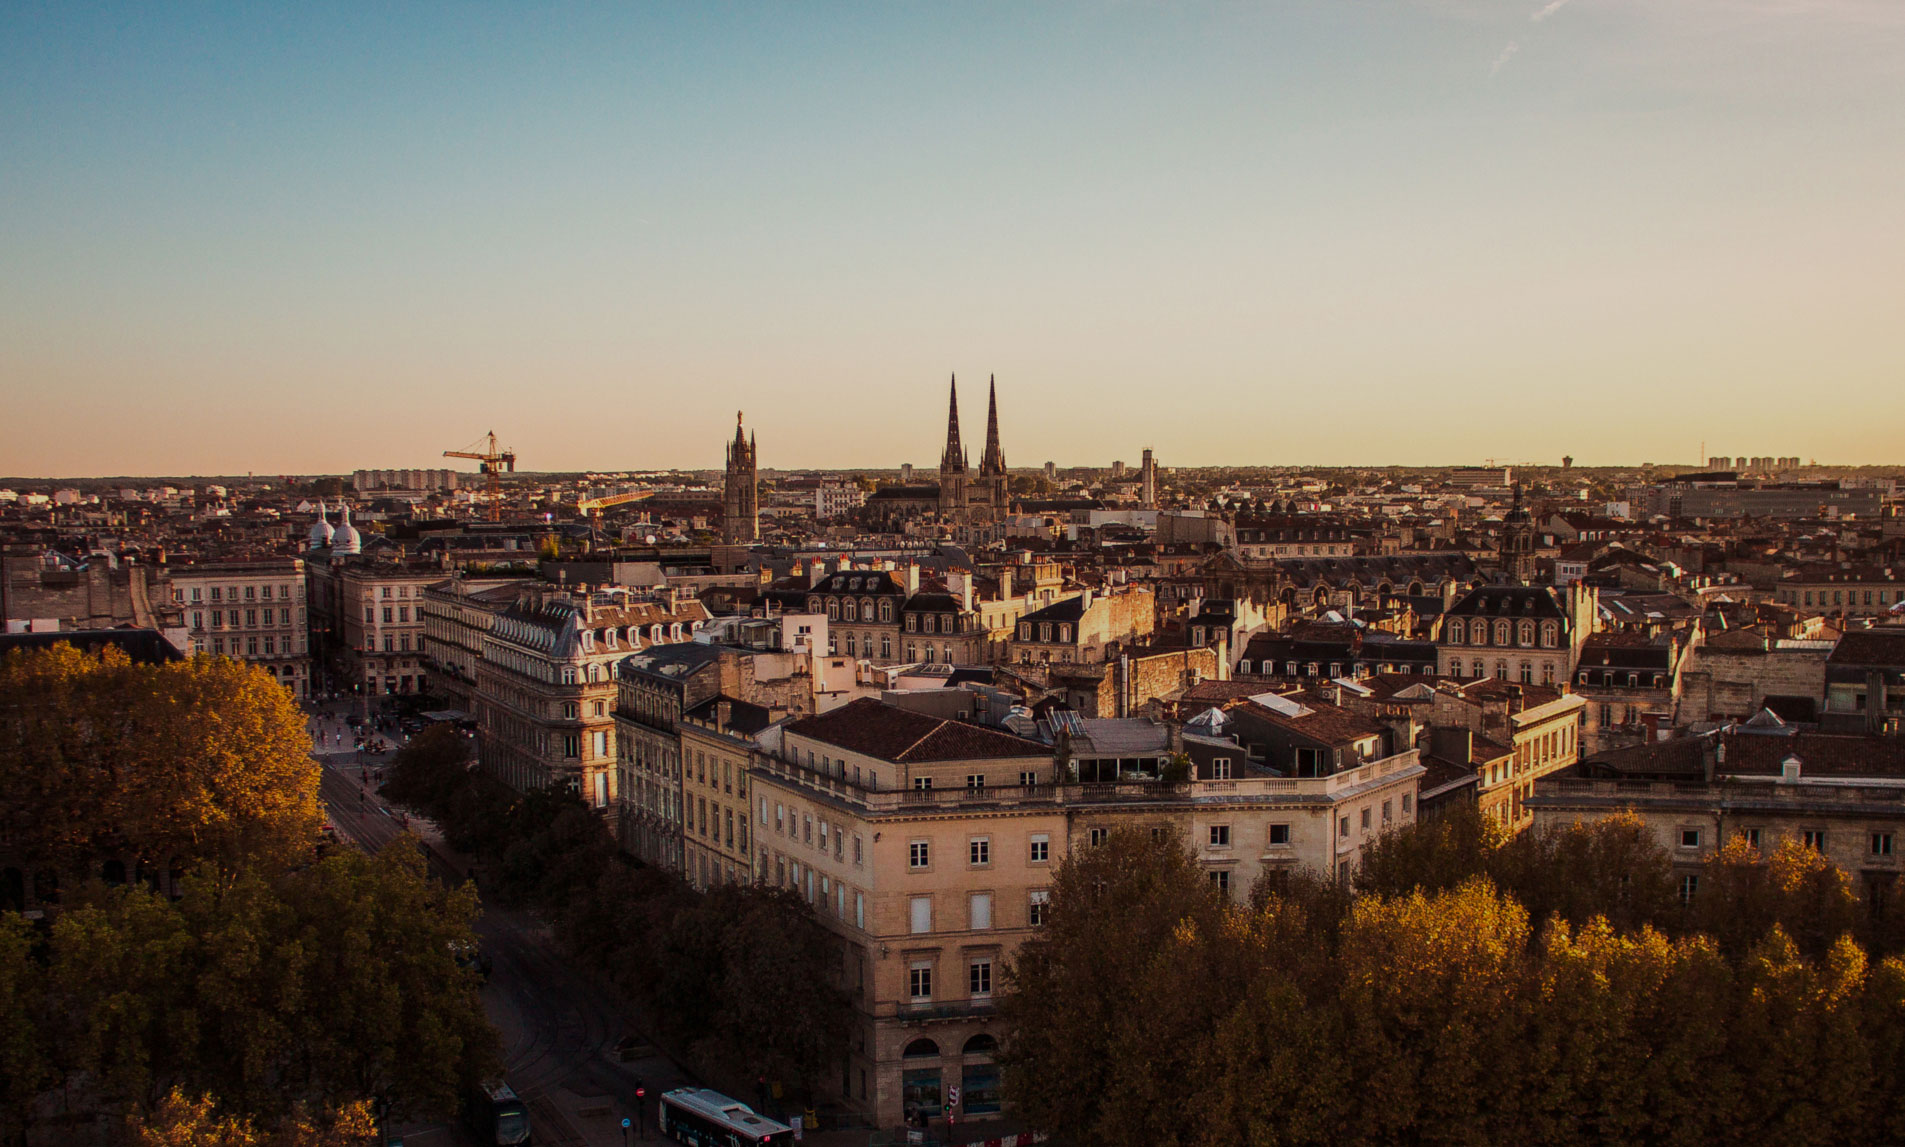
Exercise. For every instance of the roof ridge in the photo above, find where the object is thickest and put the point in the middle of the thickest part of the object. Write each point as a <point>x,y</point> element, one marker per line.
<point>938,724</point>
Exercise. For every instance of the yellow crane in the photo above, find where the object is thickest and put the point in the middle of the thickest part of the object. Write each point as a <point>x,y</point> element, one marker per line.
<point>491,462</point>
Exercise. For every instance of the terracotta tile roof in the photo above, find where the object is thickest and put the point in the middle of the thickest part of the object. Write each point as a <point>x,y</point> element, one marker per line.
<point>903,736</point>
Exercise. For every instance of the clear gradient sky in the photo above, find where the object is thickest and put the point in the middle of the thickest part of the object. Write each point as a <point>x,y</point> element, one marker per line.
<point>313,237</point>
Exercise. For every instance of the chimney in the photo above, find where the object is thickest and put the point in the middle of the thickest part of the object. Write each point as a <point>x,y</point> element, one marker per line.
<point>1084,598</point>
<point>965,592</point>
<point>912,578</point>
<point>723,711</point>
<point>1005,583</point>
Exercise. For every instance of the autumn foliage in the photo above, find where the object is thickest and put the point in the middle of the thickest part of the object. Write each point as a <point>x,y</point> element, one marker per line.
<point>235,989</point>
<point>164,767</point>
<point>1151,1010</point>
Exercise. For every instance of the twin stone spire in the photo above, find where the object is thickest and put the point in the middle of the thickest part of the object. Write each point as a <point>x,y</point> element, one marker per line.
<point>992,462</point>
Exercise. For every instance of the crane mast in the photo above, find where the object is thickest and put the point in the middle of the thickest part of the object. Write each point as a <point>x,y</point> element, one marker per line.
<point>490,462</point>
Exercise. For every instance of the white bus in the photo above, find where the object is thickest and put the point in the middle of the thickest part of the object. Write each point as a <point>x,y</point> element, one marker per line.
<point>706,1118</point>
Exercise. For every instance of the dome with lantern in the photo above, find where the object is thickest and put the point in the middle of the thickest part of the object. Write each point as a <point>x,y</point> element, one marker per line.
<point>345,539</point>
<point>321,532</point>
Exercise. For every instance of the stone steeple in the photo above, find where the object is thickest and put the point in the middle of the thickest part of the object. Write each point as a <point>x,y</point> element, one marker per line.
<point>953,461</point>
<point>992,463</point>
<point>740,509</point>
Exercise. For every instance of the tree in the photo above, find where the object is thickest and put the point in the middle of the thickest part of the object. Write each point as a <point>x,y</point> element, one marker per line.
<point>389,1015</point>
<point>781,1008</point>
<point>1742,895</point>
<point>204,760</point>
<point>24,1069</point>
<point>427,771</point>
<point>1075,986</point>
<point>1433,993</point>
<point>183,1121</point>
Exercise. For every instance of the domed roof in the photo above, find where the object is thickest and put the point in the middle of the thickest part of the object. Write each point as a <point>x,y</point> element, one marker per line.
<point>321,532</point>
<point>345,539</point>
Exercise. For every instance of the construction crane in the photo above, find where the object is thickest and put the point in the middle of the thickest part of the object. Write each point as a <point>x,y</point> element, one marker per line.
<point>491,462</point>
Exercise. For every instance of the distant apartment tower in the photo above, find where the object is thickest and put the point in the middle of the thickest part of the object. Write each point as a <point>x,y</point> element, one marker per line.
<point>1117,470</point>
<point>740,494</point>
<point>1148,481</point>
<point>1471,477</point>
<point>1051,471</point>
<point>409,481</point>
<point>834,500</point>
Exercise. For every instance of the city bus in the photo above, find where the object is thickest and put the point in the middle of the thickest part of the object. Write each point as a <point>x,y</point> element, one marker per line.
<point>704,1118</point>
<point>497,1115</point>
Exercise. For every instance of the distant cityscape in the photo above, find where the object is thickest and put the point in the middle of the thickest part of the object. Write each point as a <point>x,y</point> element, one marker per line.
<point>752,675</point>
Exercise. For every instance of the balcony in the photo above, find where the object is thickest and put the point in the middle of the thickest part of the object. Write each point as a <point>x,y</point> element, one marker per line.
<point>944,1010</point>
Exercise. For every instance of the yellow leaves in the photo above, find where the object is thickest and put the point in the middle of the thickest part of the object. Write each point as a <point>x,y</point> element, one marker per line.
<point>205,759</point>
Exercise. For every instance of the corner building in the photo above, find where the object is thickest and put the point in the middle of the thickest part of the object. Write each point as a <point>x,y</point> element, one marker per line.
<point>928,847</point>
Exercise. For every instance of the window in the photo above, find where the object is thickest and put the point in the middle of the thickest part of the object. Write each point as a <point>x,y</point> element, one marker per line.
<point>1751,836</point>
<point>1365,820</point>
<point>1280,835</point>
<point>1220,836</point>
<point>1028,779</point>
<point>922,914</point>
<point>1386,815</point>
<point>1220,769</point>
<point>922,783</point>
<point>1099,835</point>
<point>859,910</point>
<point>1220,879</point>
<point>1815,839</point>
<point>979,911</point>
<point>1689,885</point>
<point>858,850</point>
<point>1035,911</point>
<point>975,781</point>
<point>1342,826</point>
<point>979,850</point>
<point>979,977</point>
<point>1881,844</point>
<point>1041,848</point>
<point>920,981</point>
<point>919,854</point>
<point>1690,838</point>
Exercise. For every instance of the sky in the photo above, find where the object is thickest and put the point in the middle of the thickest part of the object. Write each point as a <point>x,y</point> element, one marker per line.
<point>307,238</point>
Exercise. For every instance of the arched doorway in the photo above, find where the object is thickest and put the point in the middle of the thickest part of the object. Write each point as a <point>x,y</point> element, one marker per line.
<point>920,1091</point>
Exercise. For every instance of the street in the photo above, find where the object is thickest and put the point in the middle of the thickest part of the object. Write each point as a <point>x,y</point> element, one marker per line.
<point>559,1031</point>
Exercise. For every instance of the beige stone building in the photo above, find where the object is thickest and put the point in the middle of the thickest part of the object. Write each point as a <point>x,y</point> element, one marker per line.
<point>1763,781</point>
<point>546,688</point>
<point>367,621</point>
<point>456,614</point>
<point>1539,727</point>
<point>253,611</point>
<point>927,845</point>
<point>1531,635</point>
<point>717,744</point>
<point>1084,629</point>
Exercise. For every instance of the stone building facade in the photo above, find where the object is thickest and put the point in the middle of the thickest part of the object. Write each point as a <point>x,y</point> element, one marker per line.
<point>252,611</point>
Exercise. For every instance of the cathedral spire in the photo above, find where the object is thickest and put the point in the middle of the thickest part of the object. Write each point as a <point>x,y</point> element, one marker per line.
<point>992,462</point>
<point>954,460</point>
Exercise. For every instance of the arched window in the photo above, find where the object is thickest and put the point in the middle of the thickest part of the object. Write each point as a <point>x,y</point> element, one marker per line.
<point>1550,634</point>
<point>849,610</point>
<point>1458,632</point>
<point>921,1049</point>
<point>813,605</point>
<point>851,644</point>
<point>866,610</point>
<point>1527,635</point>
<point>1501,633</point>
<point>981,1044</point>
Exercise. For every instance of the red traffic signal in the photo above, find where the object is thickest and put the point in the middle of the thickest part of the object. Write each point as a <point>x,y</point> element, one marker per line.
<point>641,1093</point>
